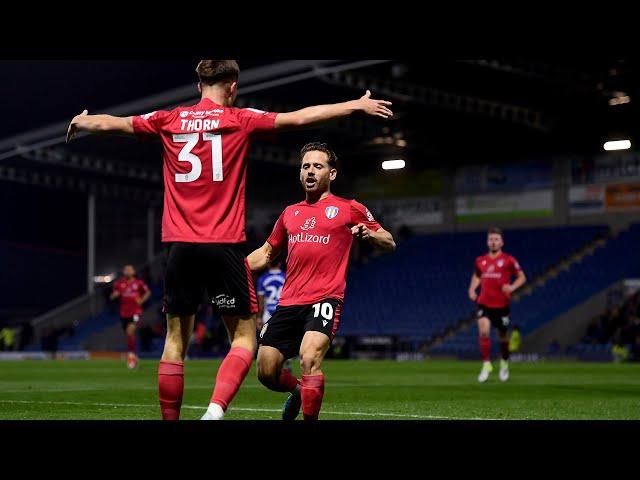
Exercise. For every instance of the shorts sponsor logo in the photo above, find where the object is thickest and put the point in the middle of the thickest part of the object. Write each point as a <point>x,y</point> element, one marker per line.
<point>480,312</point>
<point>505,321</point>
<point>224,301</point>
<point>324,322</point>
<point>331,212</point>
<point>309,224</point>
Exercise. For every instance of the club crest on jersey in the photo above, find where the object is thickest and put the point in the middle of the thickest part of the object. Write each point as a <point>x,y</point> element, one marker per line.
<point>500,263</point>
<point>309,223</point>
<point>331,212</point>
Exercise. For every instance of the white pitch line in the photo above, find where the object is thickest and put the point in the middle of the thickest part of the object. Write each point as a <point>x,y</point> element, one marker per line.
<point>244,409</point>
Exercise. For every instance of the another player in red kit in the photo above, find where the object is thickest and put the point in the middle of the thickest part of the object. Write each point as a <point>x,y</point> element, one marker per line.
<point>493,273</point>
<point>319,232</point>
<point>133,293</point>
<point>203,224</point>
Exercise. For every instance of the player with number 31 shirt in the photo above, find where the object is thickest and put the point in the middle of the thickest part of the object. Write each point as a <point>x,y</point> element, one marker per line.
<point>205,149</point>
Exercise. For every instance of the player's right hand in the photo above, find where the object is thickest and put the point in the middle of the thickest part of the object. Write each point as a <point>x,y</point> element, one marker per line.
<point>72,130</point>
<point>473,296</point>
<point>375,107</point>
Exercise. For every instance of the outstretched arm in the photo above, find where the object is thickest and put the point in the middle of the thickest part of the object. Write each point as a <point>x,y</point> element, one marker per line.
<point>99,124</point>
<point>314,116</point>
<point>380,239</point>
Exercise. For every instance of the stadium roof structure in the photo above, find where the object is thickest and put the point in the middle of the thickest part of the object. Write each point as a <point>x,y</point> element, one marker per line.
<point>448,112</point>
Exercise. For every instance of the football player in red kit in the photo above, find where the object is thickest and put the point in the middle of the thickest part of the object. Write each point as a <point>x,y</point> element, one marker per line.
<point>203,224</point>
<point>319,232</point>
<point>493,273</point>
<point>132,293</point>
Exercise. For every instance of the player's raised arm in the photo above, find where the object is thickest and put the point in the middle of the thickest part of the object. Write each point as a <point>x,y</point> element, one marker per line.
<point>314,116</point>
<point>380,238</point>
<point>105,124</point>
<point>260,257</point>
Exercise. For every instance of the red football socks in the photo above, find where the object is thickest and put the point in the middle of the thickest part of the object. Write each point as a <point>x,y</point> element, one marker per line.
<point>170,388</point>
<point>230,375</point>
<point>485,348</point>
<point>131,343</point>
<point>288,381</point>
<point>312,390</point>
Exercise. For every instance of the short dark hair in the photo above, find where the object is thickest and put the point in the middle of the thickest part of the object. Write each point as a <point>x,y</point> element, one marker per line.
<point>332,159</point>
<point>211,72</point>
<point>496,230</point>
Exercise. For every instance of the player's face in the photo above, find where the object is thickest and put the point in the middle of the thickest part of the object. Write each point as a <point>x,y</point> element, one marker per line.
<point>494,242</point>
<point>128,271</point>
<point>315,172</point>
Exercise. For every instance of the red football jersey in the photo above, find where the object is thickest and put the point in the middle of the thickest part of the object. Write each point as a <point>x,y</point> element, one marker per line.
<point>130,292</point>
<point>205,164</point>
<point>494,273</point>
<point>319,240</point>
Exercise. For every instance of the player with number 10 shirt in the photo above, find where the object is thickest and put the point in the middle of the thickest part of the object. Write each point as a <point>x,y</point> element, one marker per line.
<point>319,232</point>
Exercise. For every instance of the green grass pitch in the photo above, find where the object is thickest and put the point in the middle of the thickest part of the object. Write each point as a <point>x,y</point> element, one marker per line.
<point>380,390</point>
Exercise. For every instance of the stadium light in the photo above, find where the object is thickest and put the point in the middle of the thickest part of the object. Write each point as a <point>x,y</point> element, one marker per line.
<point>617,145</point>
<point>104,278</point>
<point>619,100</point>
<point>393,164</point>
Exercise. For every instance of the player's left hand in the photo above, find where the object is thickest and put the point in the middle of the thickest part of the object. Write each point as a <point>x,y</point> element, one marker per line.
<point>139,301</point>
<point>73,129</point>
<point>361,232</point>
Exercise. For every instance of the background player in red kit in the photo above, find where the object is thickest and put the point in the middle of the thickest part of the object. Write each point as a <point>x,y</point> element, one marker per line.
<point>319,232</point>
<point>205,162</point>
<point>493,273</point>
<point>132,293</point>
